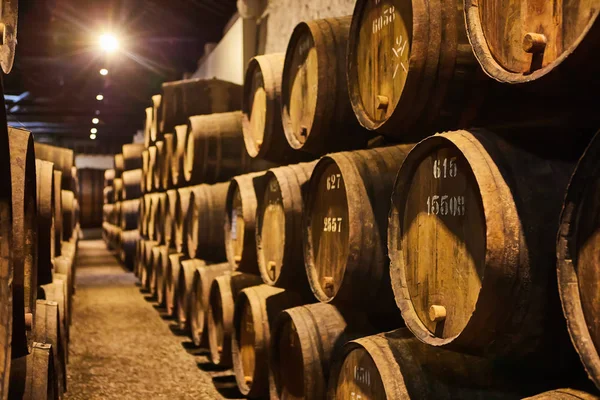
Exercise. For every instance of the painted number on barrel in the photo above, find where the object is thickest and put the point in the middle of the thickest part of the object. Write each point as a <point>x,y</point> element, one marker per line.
<point>445,168</point>
<point>446,205</point>
<point>332,224</point>
<point>386,18</point>
<point>333,181</point>
<point>362,375</point>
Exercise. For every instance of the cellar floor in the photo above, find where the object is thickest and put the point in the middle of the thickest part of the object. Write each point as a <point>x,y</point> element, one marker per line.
<point>123,347</point>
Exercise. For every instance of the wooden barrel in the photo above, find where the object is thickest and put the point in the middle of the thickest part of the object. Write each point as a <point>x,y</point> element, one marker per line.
<point>255,307</point>
<point>58,292</point>
<point>215,148</point>
<point>169,218</point>
<point>152,216</point>
<point>147,270</point>
<point>541,37</point>
<point>345,226</point>
<point>184,98</point>
<point>45,219</point>
<point>154,270</point>
<point>203,278</point>
<point>64,270</point>
<point>129,239</point>
<point>109,176</point>
<point>171,281</point>
<point>139,251</point>
<point>405,79</point>
<point>68,212</point>
<point>24,237</point>
<point>563,394</point>
<point>47,330</point>
<point>118,189</point>
<point>152,167</point>
<point>36,375</point>
<point>167,161</point>
<point>63,160</point>
<point>130,211</point>
<point>182,208</point>
<point>58,219</point>
<point>261,111</point>
<point>132,156</point>
<point>158,166</point>
<point>279,227</point>
<point>240,222</point>
<point>119,165</point>
<point>185,279</point>
<point>578,261</point>
<point>205,218</point>
<point>132,184</point>
<point>396,365</point>
<point>316,112</point>
<point>148,127</point>
<point>179,142</point>
<point>219,319</point>
<point>304,342</point>
<point>145,210</point>
<point>159,215</point>
<point>161,267</point>
<point>108,195</point>
<point>155,127</point>
<point>117,214</point>
<point>481,209</point>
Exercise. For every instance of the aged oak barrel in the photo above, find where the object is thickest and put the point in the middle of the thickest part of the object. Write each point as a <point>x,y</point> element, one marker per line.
<point>58,291</point>
<point>64,269</point>
<point>205,218</point>
<point>155,128</point>
<point>132,184</point>
<point>47,330</point>
<point>161,268</point>
<point>171,281</point>
<point>129,239</point>
<point>182,208</point>
<point>316,112</point>
<point>240,217</point>
<point>396,365</point>
<point>158,166</point>
<point>203,278</point>
<point>471,235</point>
<point>108,195</point>
<point>221,303</point>
<point>261,111</point>
<point>169,218</point>
<point>154,270</point>
<point>410,68</point>
<point>36,375</point>
<point>147,270</point>
<point>130,211</point>
<point>109,175</point>
<point>145,162</point>
<point>152,168</point>
<point>579,259</point>
<point>184,292</point>
<point>132,156</point>
<point>45,219</point>
<point>179,143</point>
<point>148,127</point>
<point>182,99</point>
<point>68,214</point>
<point>345,224</point>
<point>158,217</point>
<point>279,227</point>
<point>119,165</point>
<point>58,219</point>
<point>304,341</point>
<point>167,162</point>
<point>118,189</point>
<point>63,159</point>
<point>255,308</point>
<point>24,246</point>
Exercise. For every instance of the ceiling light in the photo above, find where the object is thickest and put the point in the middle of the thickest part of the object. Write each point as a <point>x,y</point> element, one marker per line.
<point>94,130</point>
<point>100,97</point>
<point>103,72</point>
<point>108,42</point>
<point>93,136</point>
<point>95,121</point>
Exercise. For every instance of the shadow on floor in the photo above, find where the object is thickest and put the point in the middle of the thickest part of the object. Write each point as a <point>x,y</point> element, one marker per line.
<point>227,386</point>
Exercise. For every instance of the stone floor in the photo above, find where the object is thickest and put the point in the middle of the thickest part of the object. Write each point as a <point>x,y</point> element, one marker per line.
<point>123,347</point>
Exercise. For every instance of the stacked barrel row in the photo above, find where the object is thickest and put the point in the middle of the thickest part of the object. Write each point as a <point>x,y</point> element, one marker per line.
<point>121,209</point>
<point>39,217</point>
<point>450,242</point>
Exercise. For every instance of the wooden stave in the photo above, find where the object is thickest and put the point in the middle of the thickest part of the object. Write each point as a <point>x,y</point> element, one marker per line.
<point>295,178</point>
<point>132,184</point>
<point>333,112</point>
<point>274,146</point>
<point>262,313</point>
<point>132,156</point>
<point>477,338</point>
<point>23,237</point>
<point>46,211</point>
<point>569,282</point>
<point>370,175</point>
<point>63,159</point>
<point>223,291</point>
<point>204,222</point>
<point>200,291</point>
<point>247,261</point>
<point>184,292</point>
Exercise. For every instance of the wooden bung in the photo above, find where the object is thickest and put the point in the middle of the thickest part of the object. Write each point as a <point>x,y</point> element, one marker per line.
<point>184,292</point>
<point>345,224</point>
<point>411,71</point>
<point>255,308</point>
<point>204,221</point>
<point>221,302</point>
<point>23,248</point>
<point>203,278</point>
<point>132,156</point>
<point>304,342</point>
<point>315,108</point>
<point>182,208</point>
<point>45,223</point>
<point>261,109</point>
<point>471,234</point>
<point>578,259</point>
<point>279,227</point>
<point>240,215</point>
<point>396,365</point>
<point>171,281</point>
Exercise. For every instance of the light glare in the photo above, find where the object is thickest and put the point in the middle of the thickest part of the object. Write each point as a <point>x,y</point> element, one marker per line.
<point>94,131</point>
<point>95,121</point>
<point>99,97</point>
<point>93,136</point>
<point>108,42</point>
<point>103,72</point>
